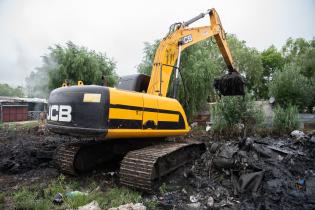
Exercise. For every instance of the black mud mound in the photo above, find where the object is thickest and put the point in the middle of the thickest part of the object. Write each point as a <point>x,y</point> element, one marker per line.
<point>253,173</point>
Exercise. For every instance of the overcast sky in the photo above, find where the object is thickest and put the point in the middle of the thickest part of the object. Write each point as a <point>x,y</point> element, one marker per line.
<point>119,28</point>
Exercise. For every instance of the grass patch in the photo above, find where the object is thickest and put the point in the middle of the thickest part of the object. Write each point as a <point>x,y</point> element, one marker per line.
<point>2,196</point>
<point>115,197</point>
<point>24,199</point>
<point>15,126</point>
<point>151,204</point>
<point>285,119</point>
<point>40,197</point>
<point>163,189</point>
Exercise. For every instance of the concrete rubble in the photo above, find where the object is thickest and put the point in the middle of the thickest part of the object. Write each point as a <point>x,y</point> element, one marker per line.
<point>130,206</point>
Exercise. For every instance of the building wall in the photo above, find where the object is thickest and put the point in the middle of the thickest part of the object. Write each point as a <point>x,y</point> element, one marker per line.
<point>13,113</point>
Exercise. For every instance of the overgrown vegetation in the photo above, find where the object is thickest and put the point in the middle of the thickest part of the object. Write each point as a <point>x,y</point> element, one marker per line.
<point>40,197</point>
<point>235,116</point>
<point>285,119</point>
<point>2,197</point>
<point>290,87</point>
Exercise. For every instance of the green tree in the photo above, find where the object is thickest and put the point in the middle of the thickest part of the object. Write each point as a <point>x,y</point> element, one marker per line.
<point>70,62</point>
<point>7,90</point>
<point>272,61</point>
<point>149,50</point>
<point>289,87</point>
<point>293,48</point>
<point>300,55</point>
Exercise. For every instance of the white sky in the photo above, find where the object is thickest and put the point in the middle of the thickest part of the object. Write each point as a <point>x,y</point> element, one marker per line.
<point>119,27</point>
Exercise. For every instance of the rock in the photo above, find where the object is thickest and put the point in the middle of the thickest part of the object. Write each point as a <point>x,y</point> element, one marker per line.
<point>210,201</point>
<point>192,206</point>
<point>312,139</point>
<point>90,206</point>
<point>130,206</point>
<point>297,134</point>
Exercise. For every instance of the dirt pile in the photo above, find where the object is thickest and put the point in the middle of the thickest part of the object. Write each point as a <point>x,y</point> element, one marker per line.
<point>253,173</point>
<point>22,151</point>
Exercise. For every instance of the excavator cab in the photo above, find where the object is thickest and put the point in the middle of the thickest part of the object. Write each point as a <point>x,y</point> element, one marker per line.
<point>134,82</point>
<point>231,84</point>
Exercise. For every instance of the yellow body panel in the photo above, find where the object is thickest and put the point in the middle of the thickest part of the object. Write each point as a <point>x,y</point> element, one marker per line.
<point>116,113</point>
<point>125,97</point>
<point>168,117</point>
<point>132,107</point>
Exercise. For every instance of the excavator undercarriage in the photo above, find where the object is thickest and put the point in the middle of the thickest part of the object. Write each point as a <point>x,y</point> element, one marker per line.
<point>143,163</point>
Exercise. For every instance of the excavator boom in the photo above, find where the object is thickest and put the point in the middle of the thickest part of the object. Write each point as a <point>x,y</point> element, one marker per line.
<point>179,38</point>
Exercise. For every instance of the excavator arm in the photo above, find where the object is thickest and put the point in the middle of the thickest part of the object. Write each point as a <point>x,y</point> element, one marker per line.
<point>179,38</point>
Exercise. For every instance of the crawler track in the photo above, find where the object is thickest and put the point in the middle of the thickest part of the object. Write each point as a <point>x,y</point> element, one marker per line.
<point>143,168</point>
<point>65,156</point>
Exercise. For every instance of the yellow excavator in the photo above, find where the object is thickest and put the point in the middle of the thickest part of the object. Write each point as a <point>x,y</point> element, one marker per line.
<point>131,122</point>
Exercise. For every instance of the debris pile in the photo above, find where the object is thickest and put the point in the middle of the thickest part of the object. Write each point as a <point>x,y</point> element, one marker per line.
<point>252,173</point>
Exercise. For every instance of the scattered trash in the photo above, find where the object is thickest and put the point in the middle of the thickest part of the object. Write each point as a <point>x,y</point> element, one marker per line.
<point>130,206</point>
<point>250,182</point>
<point>286,151</point>
<point>210,201</point>
<point>208,128</point>
<point>193,198</point>
<point>58,199</point>
<point>300,184</point>
<point>225,158</point>
<point>75,193</point>
<point>297,134</point>
<point>90,206</point>
<point>194,124</point>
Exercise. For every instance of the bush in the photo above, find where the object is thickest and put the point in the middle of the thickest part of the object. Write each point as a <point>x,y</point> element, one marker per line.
<point>285,119</point>
<point>233,115</point>
<point>290,87</point>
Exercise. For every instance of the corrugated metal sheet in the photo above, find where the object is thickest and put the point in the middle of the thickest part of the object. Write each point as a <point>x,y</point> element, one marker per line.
<point>14,113</point>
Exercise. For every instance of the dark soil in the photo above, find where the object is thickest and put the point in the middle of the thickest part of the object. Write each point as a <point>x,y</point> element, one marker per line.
<point>286,166</point>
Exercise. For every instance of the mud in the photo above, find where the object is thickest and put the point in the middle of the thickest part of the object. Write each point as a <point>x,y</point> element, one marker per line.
<point>252,173</point>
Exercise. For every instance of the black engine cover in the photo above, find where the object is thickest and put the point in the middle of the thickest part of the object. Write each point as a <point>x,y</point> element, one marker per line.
<point>69,114</point>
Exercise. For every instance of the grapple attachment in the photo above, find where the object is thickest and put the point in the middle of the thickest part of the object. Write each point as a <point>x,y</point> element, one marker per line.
<point>231,84</point>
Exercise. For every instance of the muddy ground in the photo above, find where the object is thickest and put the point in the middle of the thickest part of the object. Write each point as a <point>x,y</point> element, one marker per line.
<point>248,173</point>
